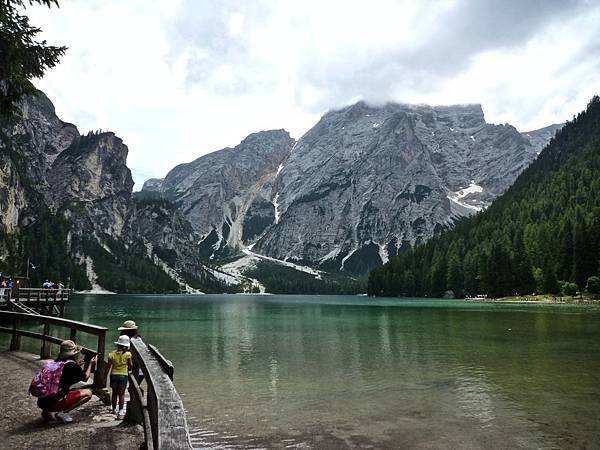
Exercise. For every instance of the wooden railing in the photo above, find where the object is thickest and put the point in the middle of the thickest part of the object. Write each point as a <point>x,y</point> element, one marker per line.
<point>160,411</point>
<point>44,301</point>
<point>16,320</point>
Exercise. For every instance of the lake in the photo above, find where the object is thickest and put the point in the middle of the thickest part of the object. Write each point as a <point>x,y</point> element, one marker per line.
<point>353,372</point>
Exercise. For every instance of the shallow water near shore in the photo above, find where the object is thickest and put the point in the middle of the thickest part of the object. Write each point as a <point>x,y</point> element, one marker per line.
<point>345,371</point>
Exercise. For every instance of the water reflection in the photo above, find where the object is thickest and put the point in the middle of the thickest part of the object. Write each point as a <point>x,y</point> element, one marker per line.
<point>346,372</point>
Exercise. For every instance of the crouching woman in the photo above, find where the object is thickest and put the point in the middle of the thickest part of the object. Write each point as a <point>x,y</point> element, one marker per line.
<point>57,406</point>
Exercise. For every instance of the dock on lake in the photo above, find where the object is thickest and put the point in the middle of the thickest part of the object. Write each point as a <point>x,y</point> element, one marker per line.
<point>49,302</point>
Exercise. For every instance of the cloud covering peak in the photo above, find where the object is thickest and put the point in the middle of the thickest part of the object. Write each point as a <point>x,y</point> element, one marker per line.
<point>179,79</point>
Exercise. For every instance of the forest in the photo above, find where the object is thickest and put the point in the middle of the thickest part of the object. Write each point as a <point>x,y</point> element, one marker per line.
<point>541,236</point>
<point>279,279</point>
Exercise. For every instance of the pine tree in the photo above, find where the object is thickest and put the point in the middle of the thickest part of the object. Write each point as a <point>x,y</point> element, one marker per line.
<point>22,56</point>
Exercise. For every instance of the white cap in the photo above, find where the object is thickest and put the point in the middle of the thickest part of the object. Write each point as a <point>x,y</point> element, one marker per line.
<point>123,340</point>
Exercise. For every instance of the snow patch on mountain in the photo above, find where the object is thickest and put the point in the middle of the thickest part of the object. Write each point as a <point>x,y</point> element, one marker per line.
<point>383,253</point>
<point>345,258</point>
<point>279,169</point>
<point>276,205</point>
<point>459,196</point>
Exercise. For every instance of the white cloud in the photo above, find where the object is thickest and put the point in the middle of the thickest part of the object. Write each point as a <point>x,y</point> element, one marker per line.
<point>181,78</point>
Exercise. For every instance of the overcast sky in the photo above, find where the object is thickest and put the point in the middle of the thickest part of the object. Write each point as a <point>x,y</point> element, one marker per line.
<point>180,78</point>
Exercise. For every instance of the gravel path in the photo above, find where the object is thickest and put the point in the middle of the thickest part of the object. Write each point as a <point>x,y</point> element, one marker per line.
<point>22,427</point>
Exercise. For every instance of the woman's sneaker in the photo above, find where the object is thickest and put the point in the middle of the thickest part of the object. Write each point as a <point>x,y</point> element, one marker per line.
<point>64,417</point>
<point>121,414</point>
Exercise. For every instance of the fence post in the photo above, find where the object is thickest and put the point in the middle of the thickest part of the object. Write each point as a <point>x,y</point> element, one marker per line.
<point>15,342</point>
<point>100,376</point>
<point>135,413</point>
<point>45,352</point>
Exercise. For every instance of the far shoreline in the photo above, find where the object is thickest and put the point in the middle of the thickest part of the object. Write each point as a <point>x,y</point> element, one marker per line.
<point>540,299</point>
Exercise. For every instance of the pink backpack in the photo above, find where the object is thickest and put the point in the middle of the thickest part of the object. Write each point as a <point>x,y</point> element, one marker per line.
<point>47,382</point>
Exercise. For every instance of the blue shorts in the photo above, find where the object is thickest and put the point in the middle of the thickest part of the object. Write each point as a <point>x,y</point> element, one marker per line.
<point>118,381</point>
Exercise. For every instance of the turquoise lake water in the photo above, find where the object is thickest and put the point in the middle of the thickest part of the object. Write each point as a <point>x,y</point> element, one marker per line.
<point>353,372</point>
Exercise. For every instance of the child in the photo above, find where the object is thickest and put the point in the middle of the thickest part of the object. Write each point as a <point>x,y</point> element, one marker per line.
<point>119,363</point>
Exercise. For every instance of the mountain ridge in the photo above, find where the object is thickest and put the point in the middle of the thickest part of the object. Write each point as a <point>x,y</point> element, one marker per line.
<point>324,167</point>
<point>540,236</point>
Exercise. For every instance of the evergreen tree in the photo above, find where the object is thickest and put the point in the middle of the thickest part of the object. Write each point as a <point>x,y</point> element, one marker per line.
<point>22,57</point>
<point>545,228</point>
<point>454,275</point>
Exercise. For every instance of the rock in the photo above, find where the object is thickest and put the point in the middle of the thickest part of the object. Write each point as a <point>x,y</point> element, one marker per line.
<point>362,185</point>
<point>366,182</point>
<point>216,191</point>
<point>48,167</point>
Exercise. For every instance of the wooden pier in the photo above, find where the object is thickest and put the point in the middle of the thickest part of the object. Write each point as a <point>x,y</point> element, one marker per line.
<point>49,302</point>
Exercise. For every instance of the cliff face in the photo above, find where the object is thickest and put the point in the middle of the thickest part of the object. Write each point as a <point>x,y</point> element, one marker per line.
<point>48,169</point>
<point>169,240</point>
<point>360,186</point>
<point>216,191</point>
<point>366,182</point>
<point>30,144</point>
<point>92,174</point>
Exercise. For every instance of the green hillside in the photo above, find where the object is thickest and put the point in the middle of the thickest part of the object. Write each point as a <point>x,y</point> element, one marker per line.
<point>542,235</point>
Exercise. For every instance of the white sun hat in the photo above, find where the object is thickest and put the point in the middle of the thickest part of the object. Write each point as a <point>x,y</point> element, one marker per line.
<point>123,340</point>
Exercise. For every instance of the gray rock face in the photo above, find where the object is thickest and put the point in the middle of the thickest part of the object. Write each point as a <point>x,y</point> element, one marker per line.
<point>93,174</point>
<point>47,165</point>
<point>152,185</point>
<point>217,191</point>
<point>366,182</point>
<point>13,196</point>
<point>29,145</point>
<point>360,186</point>
<point>540,138</point>
<point>167,236</point>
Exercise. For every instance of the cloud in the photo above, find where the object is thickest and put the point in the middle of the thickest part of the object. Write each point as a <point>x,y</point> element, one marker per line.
<point>179,79</point>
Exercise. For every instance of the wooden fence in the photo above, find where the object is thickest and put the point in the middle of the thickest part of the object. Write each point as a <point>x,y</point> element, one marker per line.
<point>40,300</point>
<point>161,409</point>
<point>16,320</point>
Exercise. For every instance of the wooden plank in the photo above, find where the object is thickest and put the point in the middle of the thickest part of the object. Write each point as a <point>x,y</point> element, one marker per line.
<point>164,404</point>
<point>79,326</point>
<point>100,375</point>
<point>40,336</point>
<point>166,364</point>
<point>15,342</point>
<point>45,351</point>
<point>137,410</point>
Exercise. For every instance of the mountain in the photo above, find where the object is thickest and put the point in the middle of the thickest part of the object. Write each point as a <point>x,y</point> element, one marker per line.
<point>364,184</point>
<point>218,191</point>
<point>542,235</point>
<point>68,207</point>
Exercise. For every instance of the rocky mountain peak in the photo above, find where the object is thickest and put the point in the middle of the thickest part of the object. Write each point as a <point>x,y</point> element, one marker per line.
<point>93,167</point>
<point>152,185</point>
<point>367,181</point>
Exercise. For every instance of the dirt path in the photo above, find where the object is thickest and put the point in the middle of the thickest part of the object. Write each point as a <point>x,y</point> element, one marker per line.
<point>22,427</point>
